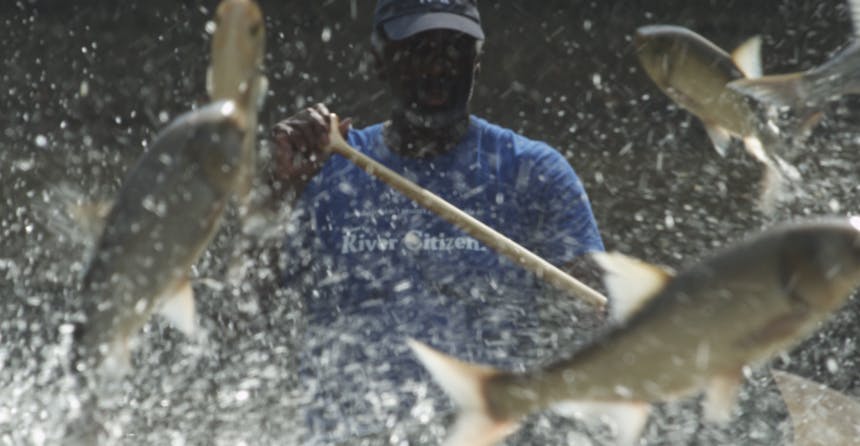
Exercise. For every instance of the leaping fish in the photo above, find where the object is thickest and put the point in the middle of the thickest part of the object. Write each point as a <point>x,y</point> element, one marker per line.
<point>694,73</point>
<point>165,214</point>
<point>171,203</point>
<point>675,335</point>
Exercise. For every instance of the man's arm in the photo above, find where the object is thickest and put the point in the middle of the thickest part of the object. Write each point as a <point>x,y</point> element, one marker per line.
<point>565,229</point>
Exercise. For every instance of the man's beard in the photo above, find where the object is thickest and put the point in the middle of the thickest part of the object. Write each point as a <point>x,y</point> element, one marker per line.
<point>435,120</point>
<point>457,94</point>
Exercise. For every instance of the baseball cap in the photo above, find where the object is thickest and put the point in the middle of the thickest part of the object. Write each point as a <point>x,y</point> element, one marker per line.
<point>404,18</point>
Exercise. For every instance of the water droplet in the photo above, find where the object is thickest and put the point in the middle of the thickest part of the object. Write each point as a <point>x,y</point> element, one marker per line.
<point>242,395</point>
<point>326,34</point>
<point>210,27</point>
<point>41,140</point>
<point>24,165</point>
<point>140,306</point>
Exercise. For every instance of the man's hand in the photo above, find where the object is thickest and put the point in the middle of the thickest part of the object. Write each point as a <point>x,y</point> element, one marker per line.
<point>300,143</point>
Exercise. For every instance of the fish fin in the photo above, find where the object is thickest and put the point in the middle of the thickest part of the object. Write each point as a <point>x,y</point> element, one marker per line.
<point>780,90</point>
<point>776,171</point>
<point>810,119</point>
<point>781,166</point>
<point>787,169</point>
<point>628,418</point>
<point>117,359</point>
<point>772,188</point>
<point>854,5</point>
<point>819,414</point>
<point>755,148</point>
<point>90,214</point>
<point>464,383</point>
<point>478,429</point>
<point>721,394</point>
<point>178,308</point>
<point>747,57</point>
<point>630,282</point>
<point>68,213</point>
<point>720,137</point>
<point>799,394</point>
<point>210,81</point>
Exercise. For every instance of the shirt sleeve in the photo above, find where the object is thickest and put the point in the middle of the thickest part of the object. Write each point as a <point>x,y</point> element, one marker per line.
<point>564,226</point>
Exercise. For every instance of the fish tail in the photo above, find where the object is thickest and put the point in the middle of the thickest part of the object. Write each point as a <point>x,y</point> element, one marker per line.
<point>792,90</point>
<point>810,118</point>
<point>773,183</point>
<point>777,172</point>
<point>780,90</point>
<point>465,383</point>
<point>92,353</point>
<point>84,429</point>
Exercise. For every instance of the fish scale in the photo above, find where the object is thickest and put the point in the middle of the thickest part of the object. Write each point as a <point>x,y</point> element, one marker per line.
<point>696,332</point>
<point>167,211</point>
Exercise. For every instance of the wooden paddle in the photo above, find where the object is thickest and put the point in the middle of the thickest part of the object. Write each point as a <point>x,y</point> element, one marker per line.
<point>462,220</point>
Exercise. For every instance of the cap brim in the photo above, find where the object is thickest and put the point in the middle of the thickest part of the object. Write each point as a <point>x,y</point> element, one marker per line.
<point>403,27</point>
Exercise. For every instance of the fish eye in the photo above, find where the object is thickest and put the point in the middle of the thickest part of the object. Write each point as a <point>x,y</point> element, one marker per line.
<point>255,29</point>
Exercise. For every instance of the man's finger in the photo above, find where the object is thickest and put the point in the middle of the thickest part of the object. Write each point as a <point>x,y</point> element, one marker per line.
<point>344,126</point>
<point>282,128</point>
<point>306,138</point>
<point>322,109</point>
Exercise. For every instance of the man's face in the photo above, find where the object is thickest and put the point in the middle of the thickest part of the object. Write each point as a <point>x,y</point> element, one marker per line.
<point>431,76</point>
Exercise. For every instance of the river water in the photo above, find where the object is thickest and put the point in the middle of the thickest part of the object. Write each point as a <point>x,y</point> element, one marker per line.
<point>85,86</point>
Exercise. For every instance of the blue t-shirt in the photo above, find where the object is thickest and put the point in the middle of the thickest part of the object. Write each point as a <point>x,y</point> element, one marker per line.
<point>376,268</point>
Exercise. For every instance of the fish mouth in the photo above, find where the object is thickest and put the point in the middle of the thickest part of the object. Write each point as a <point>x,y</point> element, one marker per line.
<point>639,42</point>
<point>642,35</point>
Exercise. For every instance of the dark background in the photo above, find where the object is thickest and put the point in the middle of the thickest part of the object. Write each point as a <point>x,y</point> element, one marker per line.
<point>559,71</point>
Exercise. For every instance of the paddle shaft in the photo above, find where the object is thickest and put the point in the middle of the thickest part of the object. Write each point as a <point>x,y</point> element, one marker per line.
<point>464,221</point>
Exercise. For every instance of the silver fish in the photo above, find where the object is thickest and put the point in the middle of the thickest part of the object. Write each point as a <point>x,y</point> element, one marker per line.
<point>694,73</point>
<point>675,335</point>
<point>171,204</point>
<point>161,221</point>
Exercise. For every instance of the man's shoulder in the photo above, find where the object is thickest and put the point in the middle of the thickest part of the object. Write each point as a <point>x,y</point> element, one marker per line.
<point>507,139</point>
<point>365,133</point>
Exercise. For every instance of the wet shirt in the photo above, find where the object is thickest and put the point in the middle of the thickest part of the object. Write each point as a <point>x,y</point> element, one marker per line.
<point>376,268</point>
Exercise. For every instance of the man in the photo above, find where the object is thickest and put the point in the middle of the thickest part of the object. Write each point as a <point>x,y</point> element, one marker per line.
<point>376,268</point>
